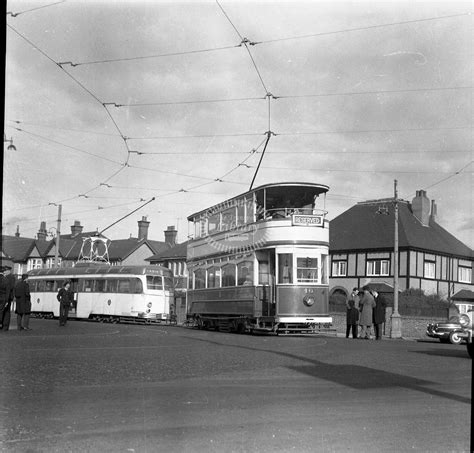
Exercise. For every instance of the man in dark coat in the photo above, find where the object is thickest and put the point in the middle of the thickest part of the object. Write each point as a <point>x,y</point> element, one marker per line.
<point>379,314</point>
<point>66,298</point>
<point>352,318</point>
<point>7,286</point>
<point>23,303</point>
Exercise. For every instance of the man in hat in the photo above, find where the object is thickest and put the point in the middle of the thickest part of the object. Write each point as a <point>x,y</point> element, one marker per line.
<point>7,286</point>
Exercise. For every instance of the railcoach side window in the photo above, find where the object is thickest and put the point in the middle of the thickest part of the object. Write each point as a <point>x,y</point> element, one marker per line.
<point>245,273</point>
<point>136,286</point>
<point>228,275</point>
<point>58,284</point>
<point>285,268</point>
<point>88,285</point>
<point>213,277</point>
<point>49,285</point>
<point>154,282</point>
<point>100,286</point>
<point>307,270</point>
<point>112,286</point>
<point>199,279</point>
<point>124,285</point>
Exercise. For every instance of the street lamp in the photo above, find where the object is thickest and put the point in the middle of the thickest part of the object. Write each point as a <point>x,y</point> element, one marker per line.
<point>11,146</point>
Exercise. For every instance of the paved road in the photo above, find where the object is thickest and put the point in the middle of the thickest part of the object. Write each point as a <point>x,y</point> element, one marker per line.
<point>93,387</point>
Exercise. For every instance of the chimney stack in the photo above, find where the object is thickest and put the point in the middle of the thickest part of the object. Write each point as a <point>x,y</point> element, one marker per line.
<point>420,207</point>
<point>17,234</point>
<point>76,229</point>
<point>143,225</point>
<point>42,233</point>
<point>170,235</point>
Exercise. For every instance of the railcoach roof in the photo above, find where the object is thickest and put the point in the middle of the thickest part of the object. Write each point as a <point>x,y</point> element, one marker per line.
<point>317,188</point>
<point>100,269</point>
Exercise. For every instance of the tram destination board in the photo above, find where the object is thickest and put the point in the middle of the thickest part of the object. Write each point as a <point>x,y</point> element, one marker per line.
<point>308,220</point>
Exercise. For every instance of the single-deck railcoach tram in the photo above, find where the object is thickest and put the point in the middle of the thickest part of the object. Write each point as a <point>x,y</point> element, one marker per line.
<point>141,294</point>
<point>258,262</point>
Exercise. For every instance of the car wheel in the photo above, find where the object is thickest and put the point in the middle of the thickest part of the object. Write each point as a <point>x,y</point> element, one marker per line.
<point>454,338</point>
<point>470,350</point>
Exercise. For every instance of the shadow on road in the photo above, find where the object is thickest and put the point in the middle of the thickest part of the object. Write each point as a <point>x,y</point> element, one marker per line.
<point>354,376</point>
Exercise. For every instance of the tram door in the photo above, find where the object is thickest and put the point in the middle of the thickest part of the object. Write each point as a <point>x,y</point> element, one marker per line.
<point>74,289</point>
<point>266,281</point>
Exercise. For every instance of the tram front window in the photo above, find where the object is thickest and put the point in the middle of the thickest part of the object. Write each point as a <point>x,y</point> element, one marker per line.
<point>307,269</point>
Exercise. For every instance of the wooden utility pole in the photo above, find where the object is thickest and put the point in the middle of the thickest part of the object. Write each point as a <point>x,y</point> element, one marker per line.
<point>396,320</point>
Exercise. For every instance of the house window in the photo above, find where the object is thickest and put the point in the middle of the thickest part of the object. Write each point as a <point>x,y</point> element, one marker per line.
<point>430,268</point>
<point>464,274</point>
<point>50,263</point>
<point>35,263</point>
<point>377,267</point>
<point>339,268</point>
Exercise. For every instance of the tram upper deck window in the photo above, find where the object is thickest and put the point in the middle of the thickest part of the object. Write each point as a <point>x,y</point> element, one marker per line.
<point>285,268</point>
<point>100,286</point>
<point>229,218</point>
<point>307,269</point>
<point>213,222</point>
<point>154,282</point>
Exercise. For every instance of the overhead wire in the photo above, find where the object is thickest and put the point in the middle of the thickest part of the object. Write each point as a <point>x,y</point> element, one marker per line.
<point>34,9</point>
<point>369,27</point>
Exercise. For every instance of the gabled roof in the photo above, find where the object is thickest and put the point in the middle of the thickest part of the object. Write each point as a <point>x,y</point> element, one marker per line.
<point>464,295</point>
<point>121,248</point>
<point>178,251</point>
<point>17,248</point>
<point>370,226</point>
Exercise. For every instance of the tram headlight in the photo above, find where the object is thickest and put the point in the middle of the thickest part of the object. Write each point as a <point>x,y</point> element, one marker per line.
<point>308,300</point>
<point>149,305</point>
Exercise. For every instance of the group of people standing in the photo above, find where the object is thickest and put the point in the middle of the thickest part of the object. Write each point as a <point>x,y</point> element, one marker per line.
<point>365,308</point>
<point>11,289</point>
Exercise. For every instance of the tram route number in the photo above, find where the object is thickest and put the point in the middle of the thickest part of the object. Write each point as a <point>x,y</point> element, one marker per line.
<point>308,220</point>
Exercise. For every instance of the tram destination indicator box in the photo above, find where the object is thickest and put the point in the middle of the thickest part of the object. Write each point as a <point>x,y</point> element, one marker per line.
<point>308,220</point>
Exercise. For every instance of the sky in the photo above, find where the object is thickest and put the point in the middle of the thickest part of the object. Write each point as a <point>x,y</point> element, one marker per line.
<point>146,108</point>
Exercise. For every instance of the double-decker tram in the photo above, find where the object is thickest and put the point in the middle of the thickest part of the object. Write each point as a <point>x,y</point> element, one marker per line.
<point>140,294</point>
<point>258,262</point>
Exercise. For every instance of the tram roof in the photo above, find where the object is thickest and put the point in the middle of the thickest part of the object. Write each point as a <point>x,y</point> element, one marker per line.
<point>321,188</point>
<point>92,269</point>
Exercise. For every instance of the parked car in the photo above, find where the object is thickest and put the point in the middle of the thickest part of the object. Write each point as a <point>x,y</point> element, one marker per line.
<point>449,331</point>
